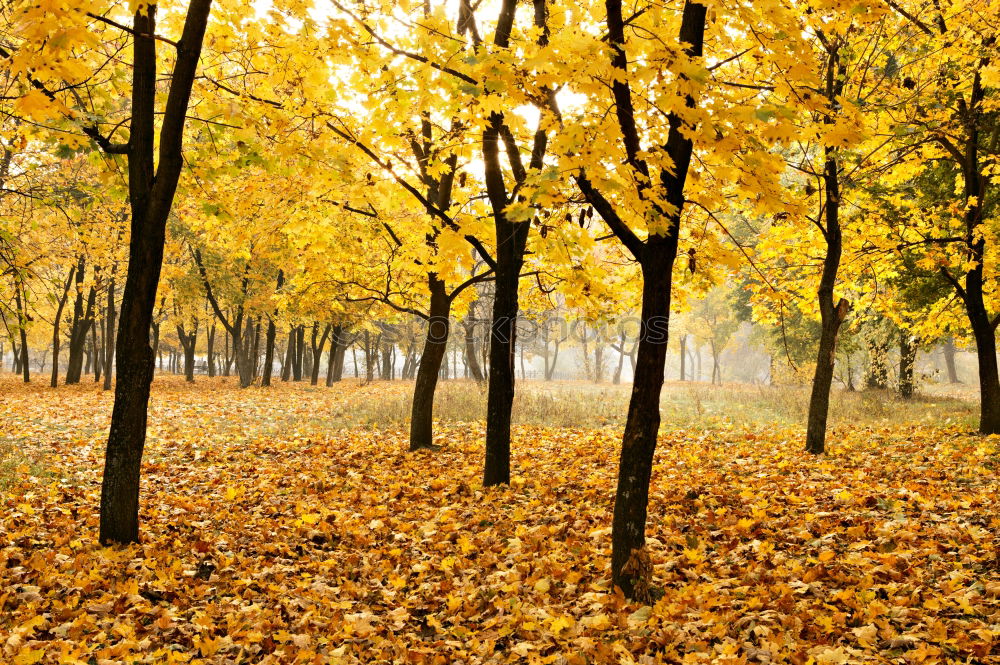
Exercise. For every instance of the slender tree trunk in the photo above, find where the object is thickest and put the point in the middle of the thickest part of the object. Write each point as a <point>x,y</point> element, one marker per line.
<point>656,255</point>
<point>55,329</point>
<point>82,322</point>
<point>683,344</point>
<point>832,314</point>
<point>272,332</point>
<point>151,194</point>
<point>317,352</point>
<point>189,342</point>
<point>471,359</point>
<point>22,327</point>
<point>500,390</point>
<point>211,351</point>
<point>300,347</point>
<point>949,360</point>
<point>435,344</point>
<point>643,421</point>
<point>255,357</point>
<point>907,357</point>
<point>109,336</point>
<point>286,368</point>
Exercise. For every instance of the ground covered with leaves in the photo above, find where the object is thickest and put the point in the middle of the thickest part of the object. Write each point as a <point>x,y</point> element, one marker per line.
<point>272,535</point>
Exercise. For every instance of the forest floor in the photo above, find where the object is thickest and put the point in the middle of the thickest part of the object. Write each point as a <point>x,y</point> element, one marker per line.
<point>290,525</point>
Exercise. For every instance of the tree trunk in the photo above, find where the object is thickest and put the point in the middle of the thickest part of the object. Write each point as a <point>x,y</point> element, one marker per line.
<point>55,329</point>
<point>500,391</point>
<point>272,332</point>
<point>335,367</point>
<point>286,367</point>
<point>643,421</point>
<point>211,351</point>
<point>831,315</point>
<point>949,360</point>
<point>877,376</point>
<point>82,321</point>
<point>22,327</point>
<point>151,195</point>
<point>188,343</point>
<point>656,256</point>
<point>986,353</point>
<point>683,343</point>
<point>317,352</point>
<point>435,344</point>
<point>907,356</point>
<point>255,352</point>
<point>300,347</point>
<point>471,360</point>
<point>109,335</point>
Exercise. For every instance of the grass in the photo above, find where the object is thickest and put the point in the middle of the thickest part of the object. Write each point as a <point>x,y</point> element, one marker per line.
<point>683,405</point>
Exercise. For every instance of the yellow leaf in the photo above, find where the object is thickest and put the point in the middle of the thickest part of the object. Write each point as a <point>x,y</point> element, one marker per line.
<point>29,657</point>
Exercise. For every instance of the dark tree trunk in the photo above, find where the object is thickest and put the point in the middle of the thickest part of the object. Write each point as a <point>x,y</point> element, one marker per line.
<point>500,391</point>
<point>94,358</point>
<point>300,348</point>
<point>907,356</point>
<point>188,343</point>
<point>151,194</point>
<point>511,241</point>
<point>272,332</point>
<point>255,353</point>
<point>211,351</point>
<point>335,367</point>
<point>832,313</point>
<point>286,367</point>
<point>83,319</point>
<point>428,370</point>
<point>656,255</point>
<point>317,352</point>
<point>55,329</point>
<point>109,335</point>
<point>22,329</point>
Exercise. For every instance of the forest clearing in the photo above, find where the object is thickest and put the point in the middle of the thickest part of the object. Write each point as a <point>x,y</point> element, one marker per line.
<point>276,529</point>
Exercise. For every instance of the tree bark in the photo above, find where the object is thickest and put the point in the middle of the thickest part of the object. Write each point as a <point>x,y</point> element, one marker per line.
<point>286,367</point>
<point>949,360</point>
<point>188,343</point>
<point>55,329</point>
<point>471,359</point>
<point>211,351</point>
<point>832,314</point>
<point>656,256</point>
<point>109,335</point>
<point>300,347</point>
<point>151,194</point>
<point>907,356</point>
<point>22,328</point>
<point>83,319</point>
<point>317,352</point>
<point>429,368</point>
